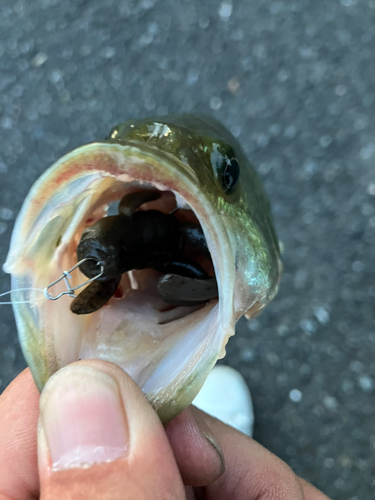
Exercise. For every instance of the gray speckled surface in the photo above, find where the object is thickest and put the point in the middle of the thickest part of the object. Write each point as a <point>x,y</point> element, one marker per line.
<point>295,81</point>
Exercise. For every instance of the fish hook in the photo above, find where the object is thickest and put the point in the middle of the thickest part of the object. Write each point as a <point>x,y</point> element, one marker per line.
<point>66,276</point>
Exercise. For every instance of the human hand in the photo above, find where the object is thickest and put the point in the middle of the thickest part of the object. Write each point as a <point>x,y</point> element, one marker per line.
<point>98,438</point>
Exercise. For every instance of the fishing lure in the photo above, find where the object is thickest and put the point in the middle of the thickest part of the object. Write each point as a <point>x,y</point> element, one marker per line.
<point>140,240</point>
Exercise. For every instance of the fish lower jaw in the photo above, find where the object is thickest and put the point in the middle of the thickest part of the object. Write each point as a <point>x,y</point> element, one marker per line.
<point>158,348</point>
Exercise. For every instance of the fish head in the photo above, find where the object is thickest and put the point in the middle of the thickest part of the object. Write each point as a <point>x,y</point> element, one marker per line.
<point>202,173</point>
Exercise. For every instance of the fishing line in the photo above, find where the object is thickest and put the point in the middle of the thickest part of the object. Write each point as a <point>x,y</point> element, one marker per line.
<point>64,277</point>
<point>20,301</point>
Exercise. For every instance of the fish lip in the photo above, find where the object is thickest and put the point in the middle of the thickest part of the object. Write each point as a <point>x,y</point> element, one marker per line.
<point>209,218</point>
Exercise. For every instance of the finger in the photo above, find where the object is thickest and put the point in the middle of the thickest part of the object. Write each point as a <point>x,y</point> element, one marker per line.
<point>198,454</point>
<point>251,471</point>
<point>310,492</point>
<point>19,408</point>
<point>99,438</point>
<point>189,492</point>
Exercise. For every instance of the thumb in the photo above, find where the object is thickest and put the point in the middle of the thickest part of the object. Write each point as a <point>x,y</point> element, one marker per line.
<point>98,437</point>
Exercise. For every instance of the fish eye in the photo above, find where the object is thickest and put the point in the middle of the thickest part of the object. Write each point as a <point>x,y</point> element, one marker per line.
<point>231,174</point>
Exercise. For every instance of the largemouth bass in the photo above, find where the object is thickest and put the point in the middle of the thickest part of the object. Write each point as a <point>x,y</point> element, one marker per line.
<point>199,175</point>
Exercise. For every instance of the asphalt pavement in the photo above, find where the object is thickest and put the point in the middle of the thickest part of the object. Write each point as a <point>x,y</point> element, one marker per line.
<point>295,82</point>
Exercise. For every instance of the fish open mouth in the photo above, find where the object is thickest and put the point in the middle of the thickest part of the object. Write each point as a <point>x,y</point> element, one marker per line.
<point>166,348</point>
<point>145,233</point>
<point>137,328</point>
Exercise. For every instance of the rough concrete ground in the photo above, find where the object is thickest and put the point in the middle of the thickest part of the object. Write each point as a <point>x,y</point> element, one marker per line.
<point>295,82</point>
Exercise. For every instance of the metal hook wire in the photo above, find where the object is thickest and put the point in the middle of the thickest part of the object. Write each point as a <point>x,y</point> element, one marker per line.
<point>66,276</point>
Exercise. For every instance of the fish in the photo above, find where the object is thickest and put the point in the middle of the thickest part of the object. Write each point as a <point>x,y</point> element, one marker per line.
<point>199,174</point>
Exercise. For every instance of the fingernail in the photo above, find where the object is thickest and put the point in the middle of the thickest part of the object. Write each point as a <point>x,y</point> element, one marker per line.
<point>214,443</point>
<point>83,418</point>
<point>208,436</point>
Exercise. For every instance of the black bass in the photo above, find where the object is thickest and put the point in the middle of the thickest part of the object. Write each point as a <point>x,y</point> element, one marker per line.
<point>151,319</point>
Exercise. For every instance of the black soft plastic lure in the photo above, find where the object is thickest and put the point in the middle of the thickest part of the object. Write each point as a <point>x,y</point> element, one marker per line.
<point>135,240</point>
